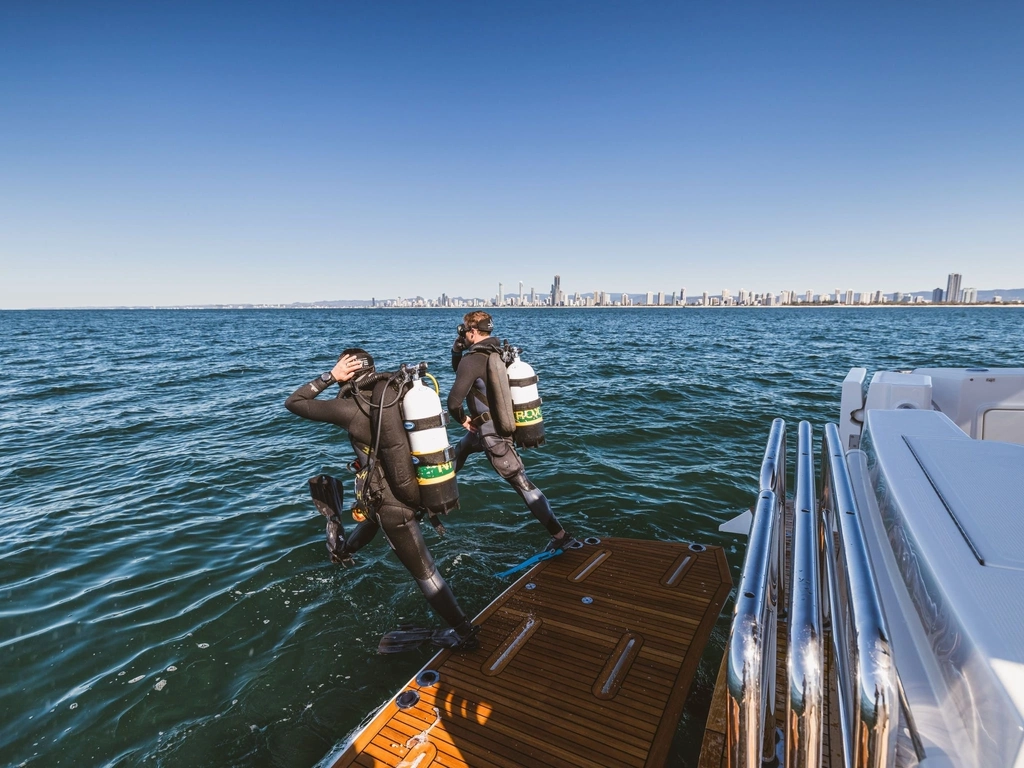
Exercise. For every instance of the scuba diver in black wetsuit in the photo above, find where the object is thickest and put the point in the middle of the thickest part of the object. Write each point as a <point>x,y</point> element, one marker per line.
<point>378,495</point>
<point>470,354</point>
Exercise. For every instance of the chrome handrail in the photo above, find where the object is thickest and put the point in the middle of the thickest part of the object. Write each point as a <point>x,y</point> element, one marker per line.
<point>751,659</point>
<point>773,478</point>
<point>866,672</point>
<point>805,655</point>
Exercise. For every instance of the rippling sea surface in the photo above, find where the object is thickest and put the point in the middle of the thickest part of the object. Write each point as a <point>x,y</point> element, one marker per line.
<point>166,597</point>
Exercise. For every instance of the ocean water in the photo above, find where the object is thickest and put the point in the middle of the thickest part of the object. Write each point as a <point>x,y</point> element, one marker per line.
<point>165,594</point>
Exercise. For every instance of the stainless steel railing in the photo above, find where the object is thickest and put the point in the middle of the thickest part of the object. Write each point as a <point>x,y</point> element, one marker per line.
<point>773,478</point>
<point>868,694</point>
<point>831,581</point>
<point>805,657</point>
<point>751,662</point>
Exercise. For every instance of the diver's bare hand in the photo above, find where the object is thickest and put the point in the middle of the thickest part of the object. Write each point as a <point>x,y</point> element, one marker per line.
<point>468,424</point>
<point>346,368</point>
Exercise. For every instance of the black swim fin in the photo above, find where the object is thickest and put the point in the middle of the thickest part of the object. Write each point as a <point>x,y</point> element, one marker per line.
<point>328,495</point>
<point>409,638</point>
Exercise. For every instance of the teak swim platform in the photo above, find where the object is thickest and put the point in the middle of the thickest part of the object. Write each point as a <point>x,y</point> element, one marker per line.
<point>586,661</point>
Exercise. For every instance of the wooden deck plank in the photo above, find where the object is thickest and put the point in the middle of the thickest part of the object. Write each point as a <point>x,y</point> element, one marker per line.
<point>539,707</point>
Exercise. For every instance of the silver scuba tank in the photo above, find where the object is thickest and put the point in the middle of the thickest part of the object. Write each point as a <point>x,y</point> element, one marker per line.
<point>526,402</point>
<point>432,456</point>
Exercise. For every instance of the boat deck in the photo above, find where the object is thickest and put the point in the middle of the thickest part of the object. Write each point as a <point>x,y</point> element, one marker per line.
<point>585,661</point>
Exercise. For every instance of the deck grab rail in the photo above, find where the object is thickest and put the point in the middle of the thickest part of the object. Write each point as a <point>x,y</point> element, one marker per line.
<point>805,650</point>
<point>750,708</point>
<point>865,670</point>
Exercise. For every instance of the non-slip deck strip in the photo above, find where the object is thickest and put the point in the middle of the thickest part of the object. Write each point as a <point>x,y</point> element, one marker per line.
<point>585,661</point>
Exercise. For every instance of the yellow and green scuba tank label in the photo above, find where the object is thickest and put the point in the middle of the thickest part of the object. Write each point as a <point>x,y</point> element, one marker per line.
<point>528,417</point>
<point>429,474</point>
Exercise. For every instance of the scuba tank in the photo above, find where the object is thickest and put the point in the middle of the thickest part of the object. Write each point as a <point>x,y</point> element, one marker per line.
<point>432,456</point>
<point>522,383</point>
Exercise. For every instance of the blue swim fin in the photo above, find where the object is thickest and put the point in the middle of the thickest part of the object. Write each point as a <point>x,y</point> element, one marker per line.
<point>530,561</point>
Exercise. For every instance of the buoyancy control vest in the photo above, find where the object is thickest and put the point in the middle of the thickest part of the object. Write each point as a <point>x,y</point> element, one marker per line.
<point>499,396</point>
<point>387,432</point>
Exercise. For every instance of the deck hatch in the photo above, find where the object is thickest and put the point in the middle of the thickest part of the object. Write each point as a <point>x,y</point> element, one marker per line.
<point>981,484</point>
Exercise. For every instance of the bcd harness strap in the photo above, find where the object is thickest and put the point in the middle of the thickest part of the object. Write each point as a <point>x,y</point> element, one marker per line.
<point>523,382</point>
<point>430,422</point>
<point>435,457</point>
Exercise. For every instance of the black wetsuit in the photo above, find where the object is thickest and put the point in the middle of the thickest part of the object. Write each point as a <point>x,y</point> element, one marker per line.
<point>471,385</point>
<point>401,529</point>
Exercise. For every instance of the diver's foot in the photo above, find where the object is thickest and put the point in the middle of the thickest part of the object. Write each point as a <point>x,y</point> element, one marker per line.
<point>340,556</point>
<point>467,639</point>
<point>407,638</point>
<point>563,542</point>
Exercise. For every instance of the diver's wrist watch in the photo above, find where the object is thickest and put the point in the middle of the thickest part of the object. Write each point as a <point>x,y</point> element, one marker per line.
<point>327,378</point>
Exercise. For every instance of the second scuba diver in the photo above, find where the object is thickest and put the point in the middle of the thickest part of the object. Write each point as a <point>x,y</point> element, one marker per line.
<point>384,494</point>
<point>470,354</point>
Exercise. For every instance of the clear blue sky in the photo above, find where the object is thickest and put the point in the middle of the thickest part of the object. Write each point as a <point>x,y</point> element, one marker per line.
<point>169,153</point>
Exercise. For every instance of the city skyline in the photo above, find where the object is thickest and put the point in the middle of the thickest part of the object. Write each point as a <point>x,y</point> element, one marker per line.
<point>558,297</point>
<point>258,153</point>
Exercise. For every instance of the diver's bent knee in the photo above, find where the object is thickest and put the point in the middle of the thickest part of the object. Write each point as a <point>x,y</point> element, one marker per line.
<point>521,482</point>
<point>433,585</point>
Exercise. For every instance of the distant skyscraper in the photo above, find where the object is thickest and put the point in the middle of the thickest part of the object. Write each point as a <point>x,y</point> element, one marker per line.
<point>501,295</point>
<point>704,299</point>
<point>937,295</point>
<point>849,298</point>
<point>650,298</point>
<point>522,296</point>
<point>953,288</point>
<point>808,297</point>
<point>661,298</point>
<point>682,296</point>
<point>557,297</point>
<point>970,295</point>
<point>533,297</point>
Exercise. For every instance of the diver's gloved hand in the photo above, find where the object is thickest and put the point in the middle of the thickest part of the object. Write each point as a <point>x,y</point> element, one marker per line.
<point>460,346</point>
<point>336,542</point>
